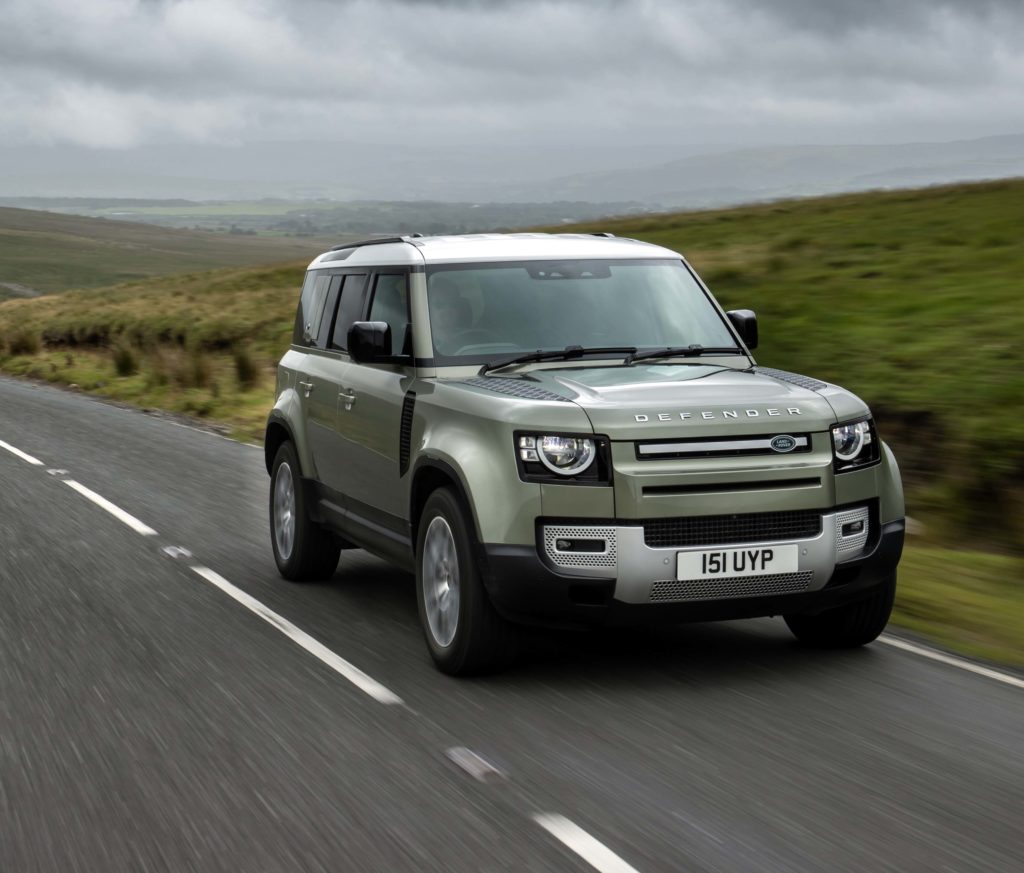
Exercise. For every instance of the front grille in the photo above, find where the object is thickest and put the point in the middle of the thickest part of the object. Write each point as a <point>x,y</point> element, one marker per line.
<point>672,590</point>
<point>718,530</point>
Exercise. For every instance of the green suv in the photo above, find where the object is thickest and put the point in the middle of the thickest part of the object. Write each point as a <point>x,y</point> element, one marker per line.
<point>567,429</point>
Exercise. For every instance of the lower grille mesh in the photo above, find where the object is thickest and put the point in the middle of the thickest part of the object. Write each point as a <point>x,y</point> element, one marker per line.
<point>670,590</point>
<point>719,530</point>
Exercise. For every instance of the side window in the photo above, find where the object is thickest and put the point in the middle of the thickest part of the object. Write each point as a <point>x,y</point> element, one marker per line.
<point>323,334</point>
<point>350,310</point>
<point>391,304</point>
<point>311,308</point>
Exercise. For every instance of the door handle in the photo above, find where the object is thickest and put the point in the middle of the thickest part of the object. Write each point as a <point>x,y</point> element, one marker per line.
<point>348,398</point>
<point>308,387</point>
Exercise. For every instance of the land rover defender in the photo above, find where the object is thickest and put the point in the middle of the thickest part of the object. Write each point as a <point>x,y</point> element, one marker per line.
<point>567,429</point>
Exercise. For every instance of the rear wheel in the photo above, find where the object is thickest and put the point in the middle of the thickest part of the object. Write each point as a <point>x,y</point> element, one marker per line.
<point>464,633</point>
<point>302,549</point>
<point>849,626</point>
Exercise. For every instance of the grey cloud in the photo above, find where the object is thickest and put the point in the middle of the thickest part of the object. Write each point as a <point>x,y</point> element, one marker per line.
<point>123,72</point>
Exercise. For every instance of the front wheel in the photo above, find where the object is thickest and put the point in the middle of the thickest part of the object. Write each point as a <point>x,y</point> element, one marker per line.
<point>302,549</point>
<point>463,632</point>
<point>849,626</point>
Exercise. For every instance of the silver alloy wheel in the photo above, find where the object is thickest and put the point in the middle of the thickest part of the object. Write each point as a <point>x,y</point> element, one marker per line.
<point>284,511</point>
<point>441,581</point>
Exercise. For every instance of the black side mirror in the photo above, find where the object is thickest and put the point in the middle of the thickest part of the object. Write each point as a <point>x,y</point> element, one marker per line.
<point>369,341</point>
<point>745,322</point>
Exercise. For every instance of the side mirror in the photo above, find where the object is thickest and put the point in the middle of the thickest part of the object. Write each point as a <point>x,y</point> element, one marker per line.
<point>369,341</point>
<point>745,322</point>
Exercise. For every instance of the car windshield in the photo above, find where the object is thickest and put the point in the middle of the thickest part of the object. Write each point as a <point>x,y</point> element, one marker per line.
<point>484,312</point>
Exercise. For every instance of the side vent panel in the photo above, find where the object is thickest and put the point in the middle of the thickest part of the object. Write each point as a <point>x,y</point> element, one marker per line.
<point>793,378</point>
<point>405,433</point>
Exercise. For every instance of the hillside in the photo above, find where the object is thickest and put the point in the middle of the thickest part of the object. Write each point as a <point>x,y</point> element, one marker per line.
<point>912,299</point>
<point>44,252</point>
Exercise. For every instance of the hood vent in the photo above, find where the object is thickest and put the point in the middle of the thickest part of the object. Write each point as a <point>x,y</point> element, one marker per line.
<point>514,388</point>
<point>793,378</point>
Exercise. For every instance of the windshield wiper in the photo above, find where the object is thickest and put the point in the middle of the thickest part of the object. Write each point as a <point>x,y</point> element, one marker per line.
<point>566,354</point>
<point>691,351</point>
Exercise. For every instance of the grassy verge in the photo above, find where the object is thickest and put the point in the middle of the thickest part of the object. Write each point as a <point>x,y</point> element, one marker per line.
<point>970,602</point>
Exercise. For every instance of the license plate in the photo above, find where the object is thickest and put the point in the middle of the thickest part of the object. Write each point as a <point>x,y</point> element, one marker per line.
<point>745,561</point>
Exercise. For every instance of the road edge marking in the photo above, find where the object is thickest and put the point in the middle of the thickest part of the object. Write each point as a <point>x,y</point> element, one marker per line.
<point>591,850</point>
<point>353,674</point>
<point>951,660</point>
<point>18,453</point>
<point>115,510</point>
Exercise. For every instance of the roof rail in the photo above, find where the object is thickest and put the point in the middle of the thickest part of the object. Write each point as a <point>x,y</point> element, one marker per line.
<point>377,241</point>
<point>602,233</point>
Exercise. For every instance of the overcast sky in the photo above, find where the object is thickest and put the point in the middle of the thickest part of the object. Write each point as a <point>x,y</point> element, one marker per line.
<point>119,73</point>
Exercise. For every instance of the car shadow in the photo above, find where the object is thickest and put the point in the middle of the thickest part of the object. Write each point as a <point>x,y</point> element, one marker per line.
<point>709,652</point>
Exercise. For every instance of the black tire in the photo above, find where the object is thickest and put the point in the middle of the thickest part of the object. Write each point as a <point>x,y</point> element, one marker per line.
<point>482,640</point>
<point>847,627</point>
<point>313,553</point>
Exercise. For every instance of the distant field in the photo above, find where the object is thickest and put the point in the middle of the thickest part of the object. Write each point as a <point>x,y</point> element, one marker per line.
<point>912,299</point>
<point>50,252</point>
<point>328,219</point>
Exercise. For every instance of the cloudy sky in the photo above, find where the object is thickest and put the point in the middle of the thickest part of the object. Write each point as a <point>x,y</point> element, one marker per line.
<point>120,73</point>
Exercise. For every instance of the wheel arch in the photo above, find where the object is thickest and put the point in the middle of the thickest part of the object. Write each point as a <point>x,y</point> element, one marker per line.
<point>428,475</point>
<point>278,431</point>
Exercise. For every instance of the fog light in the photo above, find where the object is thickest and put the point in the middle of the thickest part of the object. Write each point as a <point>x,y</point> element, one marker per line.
<point>853,528</point>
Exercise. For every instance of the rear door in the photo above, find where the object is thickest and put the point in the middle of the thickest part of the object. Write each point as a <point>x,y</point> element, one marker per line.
<point>335,304</point>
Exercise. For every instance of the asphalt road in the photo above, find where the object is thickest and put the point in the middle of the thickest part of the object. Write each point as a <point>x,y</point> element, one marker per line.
<point>151,720</point>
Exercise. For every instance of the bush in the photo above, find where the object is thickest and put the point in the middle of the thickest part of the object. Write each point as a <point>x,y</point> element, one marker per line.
<point>193,370</point>
<point>246,368</point>
<point>126,360</point>
<point>23,342</point>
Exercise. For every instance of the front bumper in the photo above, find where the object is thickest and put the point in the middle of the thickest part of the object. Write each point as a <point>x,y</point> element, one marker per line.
<point>525,587</point>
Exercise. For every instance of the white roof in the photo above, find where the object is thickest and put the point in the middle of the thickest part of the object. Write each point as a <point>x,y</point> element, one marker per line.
<point>490,247</point>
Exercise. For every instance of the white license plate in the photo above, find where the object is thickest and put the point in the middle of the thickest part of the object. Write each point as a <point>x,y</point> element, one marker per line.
<point>743,561</point>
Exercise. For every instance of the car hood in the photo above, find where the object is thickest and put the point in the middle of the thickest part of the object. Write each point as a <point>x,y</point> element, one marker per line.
<point>693,400</point>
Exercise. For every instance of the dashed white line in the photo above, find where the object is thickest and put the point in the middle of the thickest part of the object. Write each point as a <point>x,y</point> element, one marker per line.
<point>353,674</point>
<point>18,453</point>
<point>951,660</point>
<point>475,765</point>
<point>116,511</point>
<point>594,852</point>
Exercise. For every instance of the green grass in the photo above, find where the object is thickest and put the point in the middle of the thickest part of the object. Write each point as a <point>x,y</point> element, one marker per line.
<point>971,602</point>
<point>51,252</point>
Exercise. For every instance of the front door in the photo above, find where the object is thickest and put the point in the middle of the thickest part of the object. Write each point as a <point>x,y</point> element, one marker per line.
<point>370,413</point>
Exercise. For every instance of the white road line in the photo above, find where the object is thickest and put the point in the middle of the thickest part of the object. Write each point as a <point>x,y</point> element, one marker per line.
<point>353,674</point>
<point>475,765</point>
<point>20,454</point>
<point>951,660</point>
<point>113,509</point>
<point>595,853</point>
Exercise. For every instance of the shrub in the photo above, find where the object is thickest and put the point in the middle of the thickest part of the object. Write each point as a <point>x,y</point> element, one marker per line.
<point>193,370</point>
<point>23,342</point>
<point>246,369</point>
<point>126,360</point>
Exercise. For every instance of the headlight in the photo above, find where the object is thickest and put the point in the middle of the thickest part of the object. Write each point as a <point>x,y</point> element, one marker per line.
<point>574,457</point>
<point>854,445</point>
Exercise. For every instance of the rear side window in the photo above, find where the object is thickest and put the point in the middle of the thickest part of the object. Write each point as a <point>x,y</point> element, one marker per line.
<point>312,304</point>
<point>391,304</point>
<point>350,309</point>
